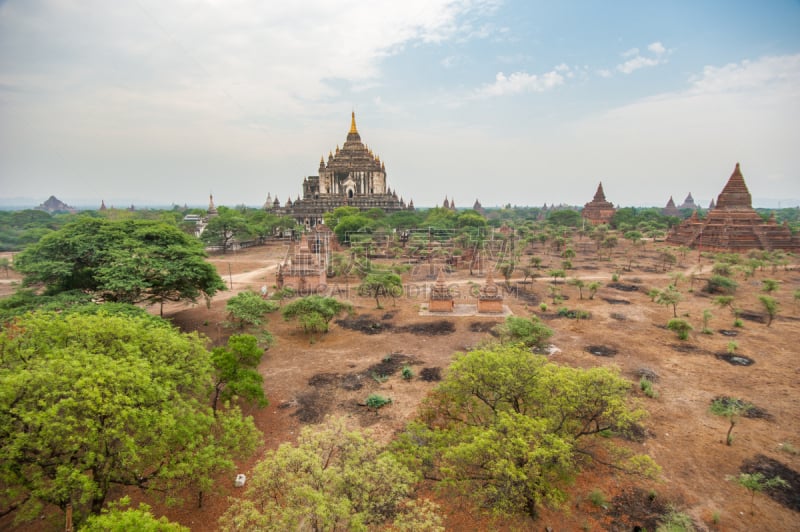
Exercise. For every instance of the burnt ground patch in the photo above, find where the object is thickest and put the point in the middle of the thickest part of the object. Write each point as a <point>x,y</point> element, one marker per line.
<point>601,350</point>
<point>623,287</point>
<point>390,364</point>
<point>789,496</point>
<point>429,328</point>
<point>617,316</point>
<point>483,327</point>
<point>612,301</point>
<point>526,296</point>
<point>752,316</point>
<point>735,360</point>
<point>366,324</point>
<point>313,404</point>
<point>637,509</point>
<point>728,332</point>
<point>684,348</point>
<point>431,374</point>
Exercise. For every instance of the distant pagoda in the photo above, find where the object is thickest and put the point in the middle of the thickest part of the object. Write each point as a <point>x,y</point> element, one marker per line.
<point>53,204</point>
<point>670,209</point>
<point>688,203</point>
<point>599,210</point>
<point>733,225</point>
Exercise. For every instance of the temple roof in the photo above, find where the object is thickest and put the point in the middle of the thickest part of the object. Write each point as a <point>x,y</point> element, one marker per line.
<point>735,194</point>
<point>352,135</point>
<point>599,195</point>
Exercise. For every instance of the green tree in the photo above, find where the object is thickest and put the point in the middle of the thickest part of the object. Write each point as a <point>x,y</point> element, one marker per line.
<point>248,308</point>
<point>769,285</point>
<point>770,305</point>
<point>593,287</point>
<point>132,261</point>
<point>332,218</point>
<point>333,479</point>
<point>377,284</point>
<point>756,483</point>
<point>314,313</point>
<point>530,332</point>
<point>236,373</point>
<point>706,318</point>
<point>511,430</point>
<point>670,297</point>
<point>577,283</point>
<point>564,217</point>
<point>731,409</point>
<point>88,402</point>
<point>356,223</point>
<point>119,517</point>
<point>224,229</point>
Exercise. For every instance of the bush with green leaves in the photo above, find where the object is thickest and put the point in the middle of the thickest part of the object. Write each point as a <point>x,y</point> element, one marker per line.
<point>376,401</point>
<point>119,516</point>
<point>675,521</point>
<point>530,332</point>
<point>314,313</point>
<point>332,479</point>
<point>407,373</point>
<point>681,327</point>
<point>719,284</point>
<point>647,387</point>
<point>248,309</point>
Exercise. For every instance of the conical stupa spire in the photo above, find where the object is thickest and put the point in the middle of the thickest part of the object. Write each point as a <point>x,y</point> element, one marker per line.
<point>600,195</point>
<point>353,128</point>
<point>735,194</point>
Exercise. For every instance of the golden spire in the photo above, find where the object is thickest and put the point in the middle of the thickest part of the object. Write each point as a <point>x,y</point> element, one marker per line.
<point>353,123</point>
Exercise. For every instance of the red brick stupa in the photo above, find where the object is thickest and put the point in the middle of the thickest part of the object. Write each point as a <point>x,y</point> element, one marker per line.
<point>598,211</point>
<point>670,209</point>
<point>733,225</point>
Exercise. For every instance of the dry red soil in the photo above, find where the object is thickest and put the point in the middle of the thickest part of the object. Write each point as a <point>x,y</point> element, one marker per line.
<point>334,375</point>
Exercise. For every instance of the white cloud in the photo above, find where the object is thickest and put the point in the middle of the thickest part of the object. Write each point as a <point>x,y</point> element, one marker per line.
<point>637,61</point>
<point>632,65</point>
<point>657,48</point>
<point>269,56</point>
<point>748,75</point>
<point>519,82</point>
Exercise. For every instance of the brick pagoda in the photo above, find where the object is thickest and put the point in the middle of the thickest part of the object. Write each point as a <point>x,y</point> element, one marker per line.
<point>598,211</point>
<point>302,270</point>
<point>671,209</point>
<point>353,176</point>
<point>490,300</point>
<point>733,225</point>
<point>441,299</point>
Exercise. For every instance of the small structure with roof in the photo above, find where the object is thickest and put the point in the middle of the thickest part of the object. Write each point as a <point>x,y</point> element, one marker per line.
<point>490,298</point>
<point>441,299</point>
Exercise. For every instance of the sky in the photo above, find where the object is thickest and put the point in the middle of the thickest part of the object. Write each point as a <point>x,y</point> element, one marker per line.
<point>158,102</point>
